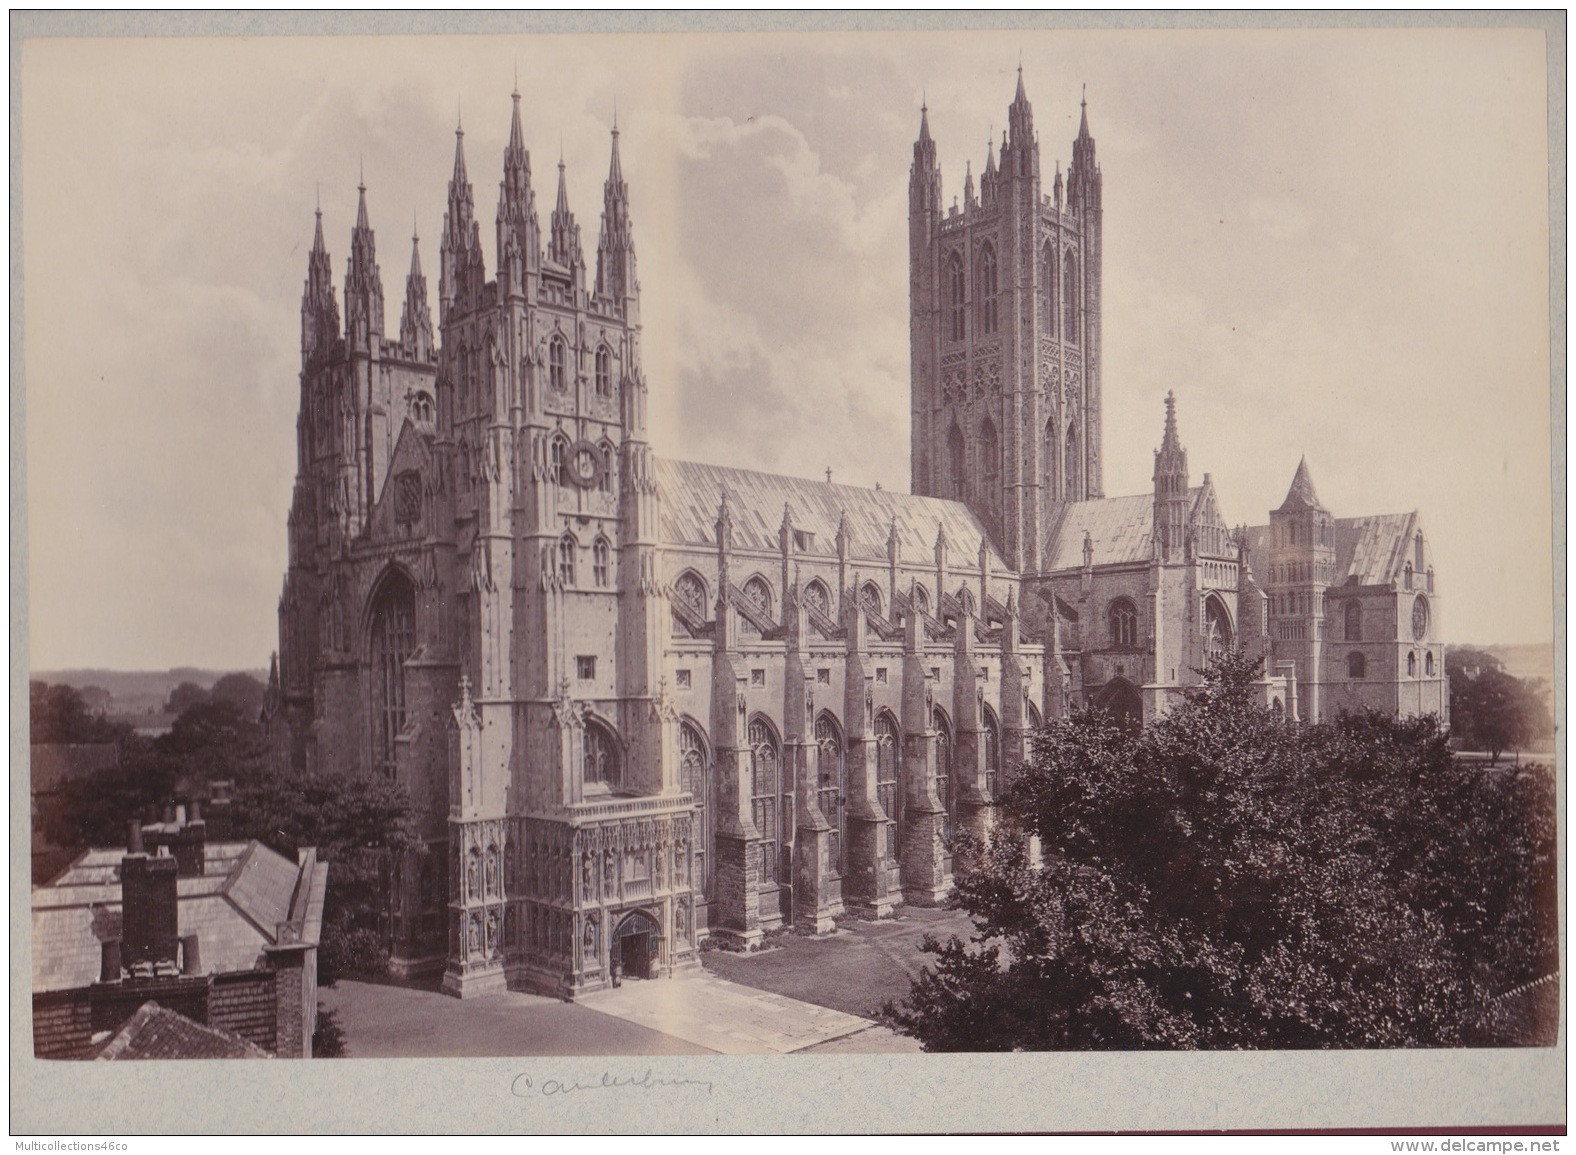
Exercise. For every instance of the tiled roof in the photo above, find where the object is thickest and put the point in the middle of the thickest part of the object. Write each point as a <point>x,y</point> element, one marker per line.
<point>52,763</point>
<point>1119,530</point>
<point>1301,494</point>
<point>235,907</point>
<point>1372,549</point>
<point>156,1032</point>
<point>692,492</point>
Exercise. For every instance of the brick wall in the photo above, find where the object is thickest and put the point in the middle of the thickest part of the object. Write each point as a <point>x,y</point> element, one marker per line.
<point>244,1003</point>
<point>62,1024</point>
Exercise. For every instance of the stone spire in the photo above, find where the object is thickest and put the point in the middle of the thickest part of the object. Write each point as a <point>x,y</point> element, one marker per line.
<point>1171,486</point>
<point>924,179</point>
<point>1301,495</point>
<point>615,250</point>
<point>415,323</point>
<point>460,257</point>
<point>517,229</point>
<point>319,308</point>
<point>1083,175</point>
<point>564,243</point>
<point>363,282</point>
<point>1020,115</point>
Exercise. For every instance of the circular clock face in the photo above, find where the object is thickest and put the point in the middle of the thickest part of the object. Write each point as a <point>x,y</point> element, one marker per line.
<point>585,465</point>
<point>1420,618</point>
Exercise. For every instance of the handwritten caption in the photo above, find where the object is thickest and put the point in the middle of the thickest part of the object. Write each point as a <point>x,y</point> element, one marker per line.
<point>525,1087</point>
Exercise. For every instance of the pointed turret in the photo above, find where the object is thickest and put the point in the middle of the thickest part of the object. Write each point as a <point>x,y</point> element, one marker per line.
<point>1020,116</point>
<point>1083,175</point>
<point>564,244</point>
<point>517,229</point>
<point>460,262</point>
<point>319,308</point>
<point>415,323</point>
<point>924,183</point>
<point>968,185</point>
<point>1171,486</point>
<point>1301,495</point>
<point>615,251</point>
<point>363,282</point>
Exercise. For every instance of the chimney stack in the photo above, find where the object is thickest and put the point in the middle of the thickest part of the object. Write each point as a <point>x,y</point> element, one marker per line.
<point>134,837</point>
<point>109,961</point>
<point>191,955</point>
<point>149,914</point>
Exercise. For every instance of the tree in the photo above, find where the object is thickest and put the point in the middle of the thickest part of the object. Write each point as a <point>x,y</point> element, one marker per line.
<point>1222,880</point>
<point>242,691</point>
<point>59,713</point>
<point>184,697</point>
<point>1496,711</point>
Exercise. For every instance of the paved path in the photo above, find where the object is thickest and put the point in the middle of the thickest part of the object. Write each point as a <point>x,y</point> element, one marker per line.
<point>383,1021</point>
<point>724,1017</point>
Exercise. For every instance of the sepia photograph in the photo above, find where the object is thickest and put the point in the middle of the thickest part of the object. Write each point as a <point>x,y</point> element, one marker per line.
<point>585,550</point>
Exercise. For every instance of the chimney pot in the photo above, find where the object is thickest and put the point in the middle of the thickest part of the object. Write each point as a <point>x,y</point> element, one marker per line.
<point>196,810</point>
<point>134,836</point>
<point>180,816</point>
<point>169,812</point>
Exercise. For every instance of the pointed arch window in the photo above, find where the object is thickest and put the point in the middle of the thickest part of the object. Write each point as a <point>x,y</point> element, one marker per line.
<point>818,596</point>
<point>604,481</point>
<point>764,758</point>
<point>759,594</point>
<point>956,296</point>
<point>1411,664</point>
<point>889,761</point>
<point>1354,621</point>
<point>393,631</point>
<point>1048,279</point>
<point>831,782</point>
<point>1070,300</point>
<point>1049,464</point>
<point>1071,489</point>
<point>601,755</point>
<point>566,560</point>
<point>601,567</point>
<point>990,461</point>
<point>1428,663</point>
<point>944,767</point>
<point>1123,620</point>
<point>694,778</point>
<point>921,599</point>
<point>604,372</point>
<point>870,598</point>
<point>557,363</point>
<point>1217,628</point>
<point>985,291</point>
<point>957,458</point>
<point>992,737</point>
<point>690,588</point>
<point>558,453</point>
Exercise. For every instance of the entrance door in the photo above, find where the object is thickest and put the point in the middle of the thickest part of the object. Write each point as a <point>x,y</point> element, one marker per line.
<point>636,945</point>
<point>637,955</point>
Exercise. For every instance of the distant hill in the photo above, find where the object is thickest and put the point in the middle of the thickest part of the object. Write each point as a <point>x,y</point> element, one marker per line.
<point>1534,660</point>
<point>136,693</point>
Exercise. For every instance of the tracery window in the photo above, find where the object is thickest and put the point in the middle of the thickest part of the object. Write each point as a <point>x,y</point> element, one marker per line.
<point>944,767</point>
<point>604,372</point>
<point>992,736</point>
<point>1428,663</point>
<point>985,291</point>
<point>921,599</point>
<point>566,560</point>
<point>990,461</point>
<point>557,452</point>
<point>957,458</point>
<point>557,363</point>
<point>695,779</point>
<point>601,759</point>
<point>1070,492</point>
<point>1048,466</point>
<point>956,296</point>
<point>817,595</point>
<point>691,590</point>
<point>1048,279</point>
<point>1070,300</point>
<point>393,639</point>
<point>830,782</point>
<point>763,792</point>
<point>1123,619</point>
<point>759,595</point>
<point>870,598</point>
<point>601,555</point>
<point>889,759</point>
<point>604,481</point>
<point>1217,628</point>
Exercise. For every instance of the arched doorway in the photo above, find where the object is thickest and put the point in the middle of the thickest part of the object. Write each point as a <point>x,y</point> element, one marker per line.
<point>637,946</point>
<point>1121,699</point>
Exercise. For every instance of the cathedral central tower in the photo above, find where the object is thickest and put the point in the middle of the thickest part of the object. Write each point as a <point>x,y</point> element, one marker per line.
<point>1004,331</point>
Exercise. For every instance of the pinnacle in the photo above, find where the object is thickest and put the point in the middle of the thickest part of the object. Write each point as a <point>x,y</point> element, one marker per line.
<point>1019,97</point>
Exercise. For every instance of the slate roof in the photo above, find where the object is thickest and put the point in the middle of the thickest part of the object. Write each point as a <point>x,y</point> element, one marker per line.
<point>156,1032</point>
<point>235,907</point>
<point>691,493</point>
<point>1119,529</point>
<point>1301,494</point>
<point>1372,549</point>
<point>52,763</point>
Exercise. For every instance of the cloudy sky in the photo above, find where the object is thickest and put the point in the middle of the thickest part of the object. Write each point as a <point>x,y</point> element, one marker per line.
<point>1329,242</point>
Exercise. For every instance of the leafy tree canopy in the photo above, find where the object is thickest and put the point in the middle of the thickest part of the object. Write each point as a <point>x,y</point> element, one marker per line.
<point>1222,880</point>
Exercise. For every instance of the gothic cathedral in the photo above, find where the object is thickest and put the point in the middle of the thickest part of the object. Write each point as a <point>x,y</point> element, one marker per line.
<point>631,714</point>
